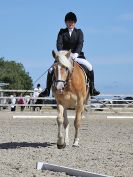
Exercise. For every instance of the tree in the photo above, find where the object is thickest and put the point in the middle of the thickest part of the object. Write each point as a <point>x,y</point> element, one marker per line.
<point>14,74</point>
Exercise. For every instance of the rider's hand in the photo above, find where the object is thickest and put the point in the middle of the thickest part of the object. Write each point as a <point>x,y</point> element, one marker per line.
<point>74,55</point>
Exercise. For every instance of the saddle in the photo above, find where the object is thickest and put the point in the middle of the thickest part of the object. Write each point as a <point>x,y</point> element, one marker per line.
<point>86,72</point>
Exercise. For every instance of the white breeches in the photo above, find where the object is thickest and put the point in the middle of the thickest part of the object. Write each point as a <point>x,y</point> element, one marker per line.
<point>84,62</point>
<point>80,61</point>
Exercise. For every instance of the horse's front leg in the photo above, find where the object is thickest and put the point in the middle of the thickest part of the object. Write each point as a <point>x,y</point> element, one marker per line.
<point>66,127</point>
<point>79,110</point>
<point>60,119</point>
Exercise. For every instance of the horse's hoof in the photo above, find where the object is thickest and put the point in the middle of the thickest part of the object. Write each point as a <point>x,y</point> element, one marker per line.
<point>61,146</point>
<point>75,145</point>
<point>76,142</point>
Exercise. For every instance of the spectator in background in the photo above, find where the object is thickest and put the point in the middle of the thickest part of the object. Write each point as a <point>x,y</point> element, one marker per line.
<point>37,91</point>
<point>13,102</point>
<point>21,101</point>
<point>27,99</point>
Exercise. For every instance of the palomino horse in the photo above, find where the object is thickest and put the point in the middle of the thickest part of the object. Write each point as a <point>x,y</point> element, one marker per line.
<point>70,91</point>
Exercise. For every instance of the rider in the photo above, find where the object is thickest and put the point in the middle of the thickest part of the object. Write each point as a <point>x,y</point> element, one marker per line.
<point>72,38</point>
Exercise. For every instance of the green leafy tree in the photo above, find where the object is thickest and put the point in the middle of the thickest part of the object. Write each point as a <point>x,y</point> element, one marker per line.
<point>14,74</point>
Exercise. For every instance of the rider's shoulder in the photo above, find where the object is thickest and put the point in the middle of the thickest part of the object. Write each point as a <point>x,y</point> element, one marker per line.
<point>62,30</point>
<point>79,30</point>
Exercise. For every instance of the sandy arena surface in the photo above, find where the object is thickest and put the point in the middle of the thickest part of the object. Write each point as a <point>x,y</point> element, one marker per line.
<point>106,146</point>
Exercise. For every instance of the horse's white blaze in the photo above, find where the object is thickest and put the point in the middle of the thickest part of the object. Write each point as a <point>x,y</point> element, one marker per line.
<point>59,74</point>
<point>60,85</point>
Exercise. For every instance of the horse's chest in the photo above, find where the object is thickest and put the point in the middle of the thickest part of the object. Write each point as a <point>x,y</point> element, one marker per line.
<point>68,100</point>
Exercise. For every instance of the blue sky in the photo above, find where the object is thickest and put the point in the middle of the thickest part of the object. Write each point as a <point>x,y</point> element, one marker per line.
<point>29,28</point>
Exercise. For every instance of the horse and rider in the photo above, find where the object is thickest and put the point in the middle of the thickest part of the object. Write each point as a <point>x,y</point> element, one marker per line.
<point>68,80</point>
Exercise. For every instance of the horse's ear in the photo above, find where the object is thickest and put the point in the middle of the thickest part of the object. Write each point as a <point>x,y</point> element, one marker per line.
<point>68,54</point>
<point>54,54</point>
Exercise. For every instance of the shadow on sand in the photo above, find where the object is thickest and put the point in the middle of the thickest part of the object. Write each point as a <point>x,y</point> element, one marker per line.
<point>16,145</point>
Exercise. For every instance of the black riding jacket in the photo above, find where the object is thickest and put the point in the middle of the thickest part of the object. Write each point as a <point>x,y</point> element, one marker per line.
<point>73,42</point>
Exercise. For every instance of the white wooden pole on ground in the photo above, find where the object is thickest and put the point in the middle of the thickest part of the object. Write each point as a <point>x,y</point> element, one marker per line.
<point>120,117</point>
<point>68,171</point>
<point>36,117</point>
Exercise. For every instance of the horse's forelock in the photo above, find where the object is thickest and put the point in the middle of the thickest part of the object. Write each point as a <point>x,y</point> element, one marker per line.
<point>64,60</point>
<point>62,52</point>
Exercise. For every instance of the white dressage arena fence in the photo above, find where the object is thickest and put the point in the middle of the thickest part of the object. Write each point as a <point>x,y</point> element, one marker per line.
<point>120,117</point>
<point>119,103</point>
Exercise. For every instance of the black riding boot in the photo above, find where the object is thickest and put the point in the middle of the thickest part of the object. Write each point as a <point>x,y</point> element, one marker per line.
<point>46,92</point>
<point>93,91</point>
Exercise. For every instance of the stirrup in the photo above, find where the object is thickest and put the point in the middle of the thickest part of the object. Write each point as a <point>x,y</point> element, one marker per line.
<point>94,92</point>
<point>45,93</point>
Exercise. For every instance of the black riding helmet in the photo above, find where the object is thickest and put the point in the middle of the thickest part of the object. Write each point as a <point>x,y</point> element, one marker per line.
<point>70,16</point>
<point>38,85</point>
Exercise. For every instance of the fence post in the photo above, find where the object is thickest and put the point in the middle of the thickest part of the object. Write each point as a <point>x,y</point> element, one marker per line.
<point>1,101</point>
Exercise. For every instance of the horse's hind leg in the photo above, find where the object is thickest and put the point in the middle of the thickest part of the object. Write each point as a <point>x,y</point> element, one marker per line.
<point>66,127</point>
<point>87,100</point>
<point>60,119</point>
<point>79,110</point>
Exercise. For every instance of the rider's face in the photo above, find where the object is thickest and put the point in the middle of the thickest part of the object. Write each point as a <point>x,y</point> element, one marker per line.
<point>70,24</point>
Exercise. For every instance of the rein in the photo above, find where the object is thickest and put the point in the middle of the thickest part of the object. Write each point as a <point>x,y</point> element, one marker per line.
<point>39,78</point>
<point>64,81</point>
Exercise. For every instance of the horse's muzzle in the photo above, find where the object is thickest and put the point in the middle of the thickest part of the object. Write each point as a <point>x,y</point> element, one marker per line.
<point>60,91</point>
<point>60,85</point>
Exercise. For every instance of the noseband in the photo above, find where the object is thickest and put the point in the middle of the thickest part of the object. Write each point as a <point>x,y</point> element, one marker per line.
<point>65,82</point>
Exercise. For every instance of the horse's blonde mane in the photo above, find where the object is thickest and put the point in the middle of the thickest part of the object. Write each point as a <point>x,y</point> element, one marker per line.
<point>67,62</point>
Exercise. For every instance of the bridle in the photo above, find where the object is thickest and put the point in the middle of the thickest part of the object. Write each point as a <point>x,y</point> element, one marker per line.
<point>65,82</point>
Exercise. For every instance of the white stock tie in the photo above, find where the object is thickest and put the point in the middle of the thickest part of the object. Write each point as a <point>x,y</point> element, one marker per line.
<point>70,32</point>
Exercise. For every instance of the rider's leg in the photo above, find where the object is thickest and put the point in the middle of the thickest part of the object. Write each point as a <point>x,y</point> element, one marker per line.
<point>93,91</point>
<point>46,92</point>
<point>84,62</point>
<point>90,74</point>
